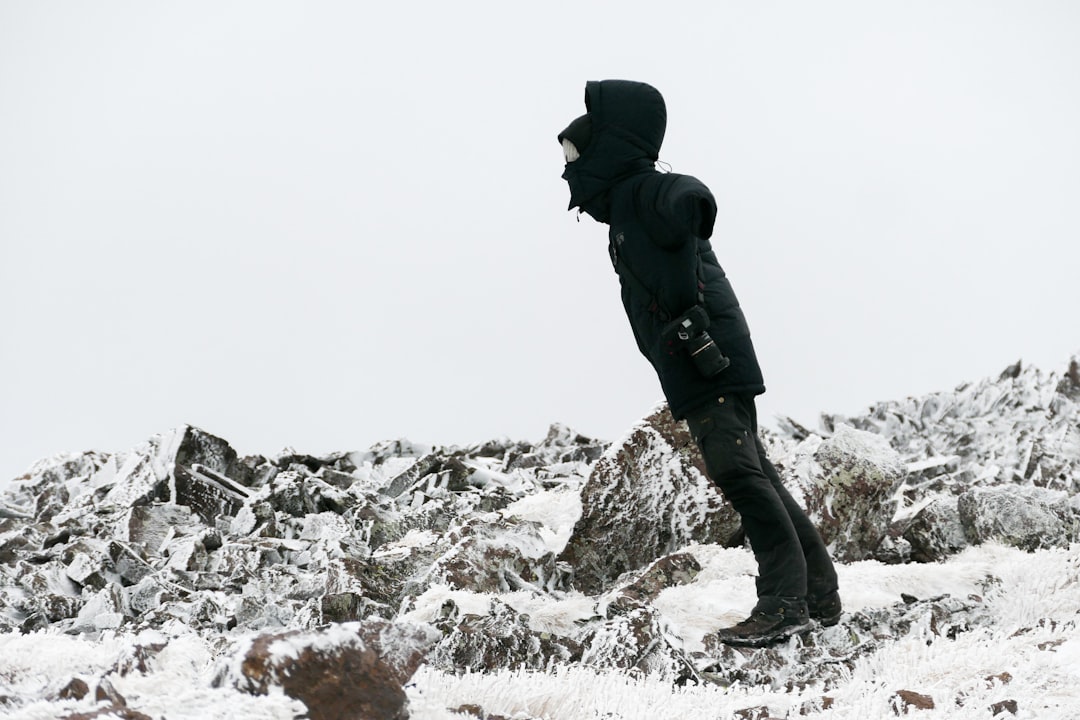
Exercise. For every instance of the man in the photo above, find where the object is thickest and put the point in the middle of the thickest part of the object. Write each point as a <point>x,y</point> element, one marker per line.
<point>688,323</point>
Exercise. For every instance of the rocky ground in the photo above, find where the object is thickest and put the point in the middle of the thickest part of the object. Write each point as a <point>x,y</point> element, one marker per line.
<point>331,580</point>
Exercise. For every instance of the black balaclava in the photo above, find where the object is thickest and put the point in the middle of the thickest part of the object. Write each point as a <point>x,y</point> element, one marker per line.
<point>620,136</point>
<point>579,133</point>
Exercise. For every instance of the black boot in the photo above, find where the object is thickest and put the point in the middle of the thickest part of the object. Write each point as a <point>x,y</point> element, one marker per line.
<point>774,619</point>
<point>826,609</point>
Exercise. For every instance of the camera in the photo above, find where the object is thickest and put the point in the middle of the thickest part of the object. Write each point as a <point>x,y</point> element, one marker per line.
<point>688,333</point>
<point>706,356</point>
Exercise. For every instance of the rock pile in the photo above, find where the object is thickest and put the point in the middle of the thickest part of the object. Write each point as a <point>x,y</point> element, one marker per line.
<point>312,572</point>
<point>273,550</point>
<point>998,459</point>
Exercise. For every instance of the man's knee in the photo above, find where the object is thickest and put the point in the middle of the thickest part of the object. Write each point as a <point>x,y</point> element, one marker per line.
<point>725,437</point>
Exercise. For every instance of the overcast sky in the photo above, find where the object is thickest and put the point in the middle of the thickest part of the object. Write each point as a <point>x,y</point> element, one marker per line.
<point>325,224</point>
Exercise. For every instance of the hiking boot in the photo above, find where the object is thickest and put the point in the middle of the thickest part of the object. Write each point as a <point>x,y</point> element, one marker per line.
<point>826,609</point>
<point>767,624</point>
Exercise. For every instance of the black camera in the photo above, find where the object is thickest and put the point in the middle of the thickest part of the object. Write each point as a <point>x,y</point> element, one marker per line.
<point>688,333</point>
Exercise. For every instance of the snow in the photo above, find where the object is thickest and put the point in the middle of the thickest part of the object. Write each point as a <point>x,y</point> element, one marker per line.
<point>555,510</point>
<point>1027,650</point>
<point>1042,660</point>
<point>1033,600</point>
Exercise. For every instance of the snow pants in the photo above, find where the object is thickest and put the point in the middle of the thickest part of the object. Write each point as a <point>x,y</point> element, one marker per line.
<point>793,561</point>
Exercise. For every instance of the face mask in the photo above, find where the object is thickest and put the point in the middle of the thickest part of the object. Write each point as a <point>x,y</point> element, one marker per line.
<point>570,152</point>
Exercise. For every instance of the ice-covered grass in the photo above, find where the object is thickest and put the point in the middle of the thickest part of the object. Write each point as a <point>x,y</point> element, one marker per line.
<point>1029,653</point>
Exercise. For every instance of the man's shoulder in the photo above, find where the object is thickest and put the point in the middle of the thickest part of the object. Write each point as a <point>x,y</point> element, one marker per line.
<point>661,185</point>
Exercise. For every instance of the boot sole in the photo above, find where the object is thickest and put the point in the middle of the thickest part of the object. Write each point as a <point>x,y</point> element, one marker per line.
<point>829,621</point>
<point>777,636</point>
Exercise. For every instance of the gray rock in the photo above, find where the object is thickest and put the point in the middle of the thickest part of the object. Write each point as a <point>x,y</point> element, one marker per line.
<point>102,611</point>
<point>636,639</point>
<point>43,489</point>
<point>208,493</point>
<point>645,585</point>
<point>935,532</point>
<point>494,557</point>
<point>499,640</point>
<point>86,561</point>
<point>1022,516</point>
<point>145,596</point>
<point>298,493</point>
<point>145,474</point>
<point>1020,427</point>
<point>150,526</point>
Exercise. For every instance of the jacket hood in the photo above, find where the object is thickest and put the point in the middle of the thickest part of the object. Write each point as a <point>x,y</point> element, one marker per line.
<point>628,122</point>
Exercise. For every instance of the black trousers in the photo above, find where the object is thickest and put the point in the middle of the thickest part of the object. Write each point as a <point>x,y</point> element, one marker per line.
<point>792,558</point>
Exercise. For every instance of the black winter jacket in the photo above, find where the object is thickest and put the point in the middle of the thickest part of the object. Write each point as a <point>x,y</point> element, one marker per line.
<point>660,225</point>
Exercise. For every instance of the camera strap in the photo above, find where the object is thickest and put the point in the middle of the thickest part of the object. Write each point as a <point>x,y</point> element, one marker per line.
<point>624,270</point>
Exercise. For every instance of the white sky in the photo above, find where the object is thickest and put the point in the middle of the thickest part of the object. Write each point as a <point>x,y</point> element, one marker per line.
<point>325,224</point>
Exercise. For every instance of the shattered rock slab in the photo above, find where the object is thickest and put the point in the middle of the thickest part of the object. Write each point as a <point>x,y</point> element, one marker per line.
<point>150,526</point>
<point>645,498</point>
<point>636,638</point>
<point>501,639</point>
<point>208,493</point>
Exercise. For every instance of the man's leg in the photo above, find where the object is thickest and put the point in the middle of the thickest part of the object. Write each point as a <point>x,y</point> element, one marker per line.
<point>822,584</point>
<point>822,594</point>
<point>724,432</point>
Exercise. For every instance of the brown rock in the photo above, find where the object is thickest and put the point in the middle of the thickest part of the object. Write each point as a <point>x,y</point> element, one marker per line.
<point>1005,706</point>
<point>105,692</point>
<point>904,701</point>
<point>137,658</point>
<point>77,689</point>
<point>350,671</point>
<point>814,706</point>
<point>759,712</point>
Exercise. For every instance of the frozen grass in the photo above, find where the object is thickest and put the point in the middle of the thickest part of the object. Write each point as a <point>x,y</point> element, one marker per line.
<point>1035,640</point>
<point>1034,602</point>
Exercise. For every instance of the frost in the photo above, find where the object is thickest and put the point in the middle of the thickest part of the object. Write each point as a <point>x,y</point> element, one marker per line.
<point>111,581</point>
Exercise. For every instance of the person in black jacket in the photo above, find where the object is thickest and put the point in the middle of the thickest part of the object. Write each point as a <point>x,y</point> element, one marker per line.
<point>687,322</point>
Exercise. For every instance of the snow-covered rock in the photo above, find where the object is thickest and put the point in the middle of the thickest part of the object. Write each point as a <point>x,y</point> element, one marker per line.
<point>936,531</point>
<point>1022,427</point>
<point>1023,516</point>
<point>177,561</point>
<point>846,482</point>
<point>646,497</point>
<point>351,670</point>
